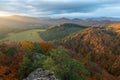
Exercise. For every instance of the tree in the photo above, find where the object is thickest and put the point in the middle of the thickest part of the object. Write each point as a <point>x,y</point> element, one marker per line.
<point>64,67</point>
<point>27,44</point>
<point>4,60</point>
<point>31,61</point>
<point>46,47</point>
<point>37,48</point>
<point>11,51</point>
<point>25,68</point>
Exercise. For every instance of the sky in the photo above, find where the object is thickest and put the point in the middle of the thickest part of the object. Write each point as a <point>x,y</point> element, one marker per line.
<point>61,8</point>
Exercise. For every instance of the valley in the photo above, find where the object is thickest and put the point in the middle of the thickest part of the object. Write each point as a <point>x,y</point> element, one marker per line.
<point>27,35</point>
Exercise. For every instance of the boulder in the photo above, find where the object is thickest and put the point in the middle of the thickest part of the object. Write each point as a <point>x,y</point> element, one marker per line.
<point>40,74</point>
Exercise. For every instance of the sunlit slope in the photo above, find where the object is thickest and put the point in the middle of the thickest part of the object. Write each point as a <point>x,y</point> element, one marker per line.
<point>94,39</point>
<point>29,35</point>
<point>115,27</point>
<point>99,46</point>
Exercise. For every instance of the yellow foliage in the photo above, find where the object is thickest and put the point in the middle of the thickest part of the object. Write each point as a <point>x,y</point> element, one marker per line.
<point>27,44</point>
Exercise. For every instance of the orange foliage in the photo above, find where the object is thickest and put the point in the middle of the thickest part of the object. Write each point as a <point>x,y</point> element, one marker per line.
<point>4,60</point>
<point>3,70</point>
<point>4,65</point>
<point>9,65</point>
<point>115,27</point>
<point>9,72</point>
<point>46,47</point>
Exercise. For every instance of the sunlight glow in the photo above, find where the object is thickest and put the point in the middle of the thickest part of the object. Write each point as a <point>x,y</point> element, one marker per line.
<point>4,13</point>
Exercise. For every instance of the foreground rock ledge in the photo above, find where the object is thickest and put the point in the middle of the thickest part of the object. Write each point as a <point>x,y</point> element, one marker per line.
<point>40,74</point>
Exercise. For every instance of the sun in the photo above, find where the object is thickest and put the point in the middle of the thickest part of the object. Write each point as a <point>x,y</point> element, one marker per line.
<point>4,13</point>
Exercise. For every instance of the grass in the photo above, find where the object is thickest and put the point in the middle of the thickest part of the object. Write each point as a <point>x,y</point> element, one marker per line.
<point>29,35</point>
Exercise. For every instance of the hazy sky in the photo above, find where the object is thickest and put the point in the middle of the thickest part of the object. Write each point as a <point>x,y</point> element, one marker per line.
<point>61,8</point>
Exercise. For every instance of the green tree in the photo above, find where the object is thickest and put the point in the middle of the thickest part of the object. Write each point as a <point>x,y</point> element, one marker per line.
<point>37,48</point>
<point>31,61</point>
<point>25,68</point>
<point>11,51</point>
<point>64,67</point>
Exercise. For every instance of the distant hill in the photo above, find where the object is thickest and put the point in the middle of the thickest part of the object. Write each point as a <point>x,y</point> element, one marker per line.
<point>60,31</point>
<point>77,19</point>
<point>103,19</point>
<point>22,21</point>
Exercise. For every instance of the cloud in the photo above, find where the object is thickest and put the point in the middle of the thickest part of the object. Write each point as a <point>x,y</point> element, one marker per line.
<point>61,7</point>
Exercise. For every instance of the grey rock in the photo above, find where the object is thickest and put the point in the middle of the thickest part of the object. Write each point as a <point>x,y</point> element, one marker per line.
<point>40,74</point>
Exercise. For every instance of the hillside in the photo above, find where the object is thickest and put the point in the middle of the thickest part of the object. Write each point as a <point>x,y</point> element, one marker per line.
<point>60,31</point>
<point>96,45</point>
<point>115,27</point>
<point>95,39</point>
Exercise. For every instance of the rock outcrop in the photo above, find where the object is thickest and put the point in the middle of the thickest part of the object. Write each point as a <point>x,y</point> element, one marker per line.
<point>40,74</point>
